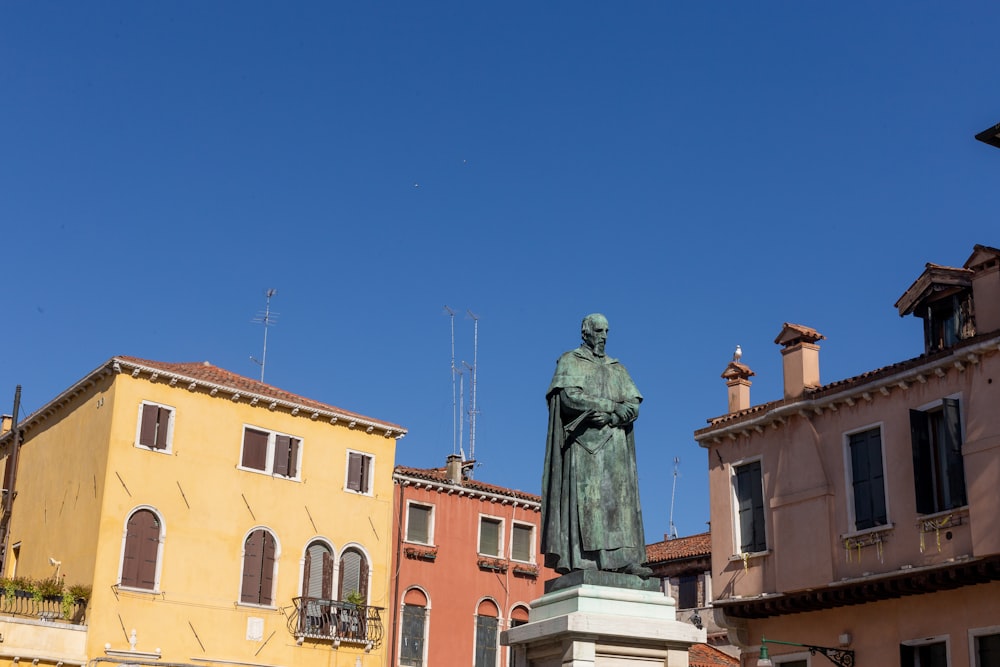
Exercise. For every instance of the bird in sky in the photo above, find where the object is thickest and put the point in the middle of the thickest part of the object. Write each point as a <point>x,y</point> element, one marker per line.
<point>738,354</point>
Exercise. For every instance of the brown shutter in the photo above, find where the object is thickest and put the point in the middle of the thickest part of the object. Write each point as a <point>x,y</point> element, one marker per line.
<point>254,449</point>
<point>366,462</point>
<point>306,573</point>
<point>293,457</point>
<point>149,548</point>
<point>162,419</point>
<point>267,569</point>
<point>130,560</point>
<point>253,551</point>
<point>327,575</point>
<point>354,471</point>
<point>147,430</point>
<point>281,446</point>
<point>363,577</point>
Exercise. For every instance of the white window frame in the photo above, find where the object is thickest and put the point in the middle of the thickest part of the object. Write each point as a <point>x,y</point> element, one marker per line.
<point>169,448</point>
<point>852,521</point>
<point>734,502</point>
<point>500,536</point>
<point>370,481</point>
<point>946,639</point>
<point>430,523</point>
<point>939,404</point>
<point>269,456</point>
<point>531,546</point>
<point>974,634</point>
<point>121,553</point>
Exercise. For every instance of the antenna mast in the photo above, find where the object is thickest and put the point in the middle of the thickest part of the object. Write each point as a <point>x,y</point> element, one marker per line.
<point>454,400</point>
<point>673,494</point>
<point>473,410</point>
<point>267,319</point>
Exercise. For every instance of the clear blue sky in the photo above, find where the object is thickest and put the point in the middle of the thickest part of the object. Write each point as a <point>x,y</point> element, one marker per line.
<point>700,172</point>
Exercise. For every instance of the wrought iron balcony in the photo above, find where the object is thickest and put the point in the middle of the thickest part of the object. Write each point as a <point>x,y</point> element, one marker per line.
<point>339,622</point>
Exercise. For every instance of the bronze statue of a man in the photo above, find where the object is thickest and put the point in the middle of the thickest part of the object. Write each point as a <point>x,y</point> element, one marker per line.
<point>591,517</point>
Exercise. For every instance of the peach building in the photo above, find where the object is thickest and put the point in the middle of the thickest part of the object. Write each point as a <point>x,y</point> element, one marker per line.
<point>862,517</point>
<point>217,520</point>
<point>466,566</point>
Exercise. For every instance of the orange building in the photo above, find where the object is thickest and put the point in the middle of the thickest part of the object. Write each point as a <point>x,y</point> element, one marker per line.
<point>466,566</point>
<point>860,519</point>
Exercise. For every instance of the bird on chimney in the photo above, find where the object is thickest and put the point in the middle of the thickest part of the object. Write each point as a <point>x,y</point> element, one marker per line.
<point>738,354</point>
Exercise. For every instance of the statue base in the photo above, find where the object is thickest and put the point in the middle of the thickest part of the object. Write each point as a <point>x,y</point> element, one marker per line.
<point>601,578</point>
<point>588,625</point>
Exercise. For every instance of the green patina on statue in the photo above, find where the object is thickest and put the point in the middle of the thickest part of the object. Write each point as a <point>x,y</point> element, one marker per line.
<point>591,518</point>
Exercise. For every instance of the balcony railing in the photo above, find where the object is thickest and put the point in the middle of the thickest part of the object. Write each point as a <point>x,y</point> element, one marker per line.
<point>339,622</point>
<point>19,603</point>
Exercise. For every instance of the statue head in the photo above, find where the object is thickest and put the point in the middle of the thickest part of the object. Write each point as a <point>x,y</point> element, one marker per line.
<point>594,331</point>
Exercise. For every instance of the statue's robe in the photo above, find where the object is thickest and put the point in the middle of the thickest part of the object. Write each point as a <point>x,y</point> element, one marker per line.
<point>591,518</point>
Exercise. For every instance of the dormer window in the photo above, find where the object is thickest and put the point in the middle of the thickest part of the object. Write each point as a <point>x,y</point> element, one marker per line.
<point>942,298</point>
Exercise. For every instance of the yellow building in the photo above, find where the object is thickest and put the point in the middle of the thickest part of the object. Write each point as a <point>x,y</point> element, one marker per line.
<point>218,520</point>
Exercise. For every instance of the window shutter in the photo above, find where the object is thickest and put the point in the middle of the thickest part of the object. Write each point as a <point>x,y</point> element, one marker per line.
<point>953,454</point>
<point>366,462</point>
<point>868,479</point>
<point>411,652</point>
<point>253,552</point>
<point>307,583</point>
<point>489,542</point>
<point>363,577</point>
<point>293,457</point>
<point>920,443</point>
<point>354,471</point>
<point>147,429</point>
<point>521,543</point>
<point>750,501</point>
<point>254,449</point>
<point>417,524</point>
<point>162,420</point>
<point>267,569</point>
<point>282,444</point>
<point>486,641</point>
<point>149,548</point>
<point>327,575</point>
<point>350,573</point>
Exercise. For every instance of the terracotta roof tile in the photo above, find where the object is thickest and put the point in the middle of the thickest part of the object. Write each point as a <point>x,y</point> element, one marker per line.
<point>440,475</point>
<point>680,547</point>
<point>206,372</point>
<point>703,655</point>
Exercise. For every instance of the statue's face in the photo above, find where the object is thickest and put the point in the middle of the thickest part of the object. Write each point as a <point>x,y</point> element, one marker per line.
<point>597,336</point>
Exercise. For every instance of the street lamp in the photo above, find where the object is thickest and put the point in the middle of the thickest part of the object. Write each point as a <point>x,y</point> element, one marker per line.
<point>838,656</point>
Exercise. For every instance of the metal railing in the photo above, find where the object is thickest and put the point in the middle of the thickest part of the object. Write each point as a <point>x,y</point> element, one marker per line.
<point>21,603</point>
<point>332,620</point>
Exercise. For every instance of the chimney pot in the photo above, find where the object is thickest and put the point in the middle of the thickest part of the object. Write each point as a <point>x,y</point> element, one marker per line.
<point>800,358</point>
<point>737,377</point>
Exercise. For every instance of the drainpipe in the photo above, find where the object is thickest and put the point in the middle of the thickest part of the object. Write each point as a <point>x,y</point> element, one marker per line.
<point>395,586</point>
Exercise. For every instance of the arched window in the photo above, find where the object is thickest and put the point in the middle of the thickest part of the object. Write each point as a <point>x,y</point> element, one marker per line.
<point>487,626</point>
<point>142,550</point>
<point>317,573</point>
<point>353,575</point>
<point>413,636</point>
<point>259,558</point>
<point>518,616</point>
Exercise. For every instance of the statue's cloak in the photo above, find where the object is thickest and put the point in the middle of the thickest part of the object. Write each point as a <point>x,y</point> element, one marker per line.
<point>591,516</point>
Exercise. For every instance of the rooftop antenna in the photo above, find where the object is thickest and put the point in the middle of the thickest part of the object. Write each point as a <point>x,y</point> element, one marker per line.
<point>474,368</point>
<point>673,494</point>
<point>454,400</point>
<point>267,319</point>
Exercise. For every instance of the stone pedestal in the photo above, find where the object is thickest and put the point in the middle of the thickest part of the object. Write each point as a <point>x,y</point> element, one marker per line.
<point>601,619</point>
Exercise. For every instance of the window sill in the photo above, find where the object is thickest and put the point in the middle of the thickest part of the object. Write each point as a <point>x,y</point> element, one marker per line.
<point>251,605</point>
<point>742,557</point>
<point>943,519</point>
<point>168,450</point>
<point>266,473</point>
<point>876,530</point>
<point>132,590</point>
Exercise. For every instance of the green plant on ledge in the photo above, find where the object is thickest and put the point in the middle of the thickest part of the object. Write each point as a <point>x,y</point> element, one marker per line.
<point>355,598</point>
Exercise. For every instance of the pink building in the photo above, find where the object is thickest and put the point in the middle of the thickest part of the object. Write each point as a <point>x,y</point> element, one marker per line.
<point>863,516</point>
<point>466,566</point>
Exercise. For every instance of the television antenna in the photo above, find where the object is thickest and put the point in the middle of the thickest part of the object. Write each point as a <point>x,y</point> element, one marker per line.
<point>673,494</point>
<point>474,368</point>
<point>267,318</point>
<point>454,394</point>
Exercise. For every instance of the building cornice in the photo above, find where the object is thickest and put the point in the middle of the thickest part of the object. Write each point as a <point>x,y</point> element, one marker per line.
<point>855,390</point>
<point>460,490</point>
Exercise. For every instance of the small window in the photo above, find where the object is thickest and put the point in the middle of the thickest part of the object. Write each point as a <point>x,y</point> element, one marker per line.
<point>259,561</point>
<point>522,544</point>
<point>418,523</point>
<point>687,591</point>
<point>489,536</point>
<point>749,489</point>
<point>359,472</point>
<point>987,650</point>
<point>156,427</point>
<point>938,468</point>
<point>867,479</point>
<point>141,552</point>
<point>931,654</point>
<point>269,452</point>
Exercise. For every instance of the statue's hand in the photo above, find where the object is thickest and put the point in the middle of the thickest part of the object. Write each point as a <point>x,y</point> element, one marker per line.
<point>600,418</point>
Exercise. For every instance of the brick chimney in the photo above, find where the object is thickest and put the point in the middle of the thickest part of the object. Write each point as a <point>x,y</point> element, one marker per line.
<point>453,469</point>
<point>800,358</point>
<point>737,377</point>
<point>985,264</point>
<point>5,421</point>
